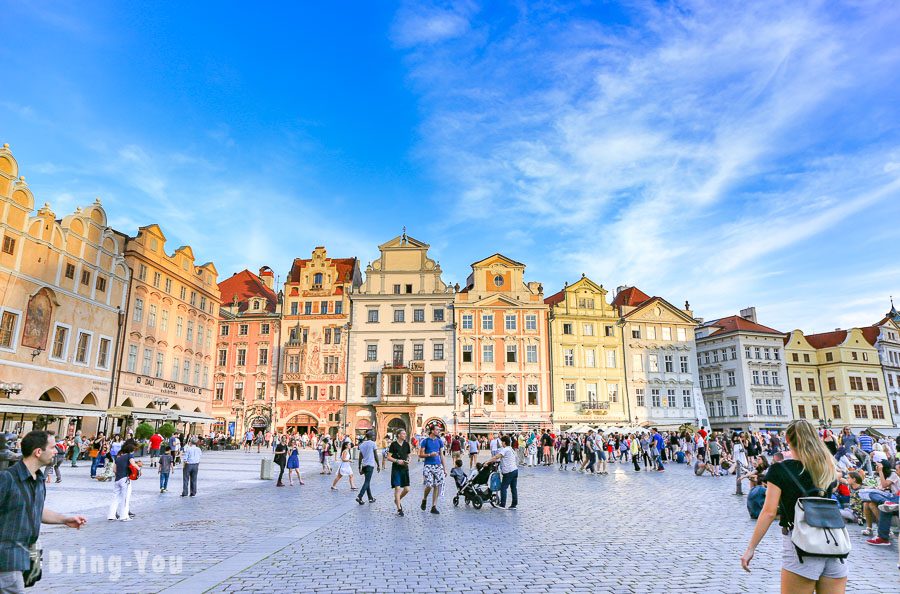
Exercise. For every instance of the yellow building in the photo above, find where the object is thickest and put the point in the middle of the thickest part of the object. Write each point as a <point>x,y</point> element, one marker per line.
<point>62,285</point>
<point>166,361</point>
<point>586,358</point>
<point>836,378</point>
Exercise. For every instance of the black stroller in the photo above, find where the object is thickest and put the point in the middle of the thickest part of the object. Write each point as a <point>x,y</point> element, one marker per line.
<point>477,489</point>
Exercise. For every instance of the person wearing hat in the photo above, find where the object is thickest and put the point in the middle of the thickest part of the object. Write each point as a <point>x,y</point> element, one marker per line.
<point>368,462</point>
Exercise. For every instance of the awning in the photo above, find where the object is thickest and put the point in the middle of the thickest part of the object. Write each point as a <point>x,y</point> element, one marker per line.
<point>194,417</point>
<point>42,407</point>
<point>137,413</point>
<point>883,431</point>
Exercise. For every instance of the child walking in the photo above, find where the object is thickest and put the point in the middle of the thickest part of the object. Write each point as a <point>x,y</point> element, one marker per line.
<point>165,468</point>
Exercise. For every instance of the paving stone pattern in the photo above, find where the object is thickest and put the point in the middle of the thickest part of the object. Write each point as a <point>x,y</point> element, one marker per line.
<point>623,533</point>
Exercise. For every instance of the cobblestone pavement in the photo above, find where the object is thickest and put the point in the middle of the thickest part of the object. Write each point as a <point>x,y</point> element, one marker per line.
<point>623,533</point>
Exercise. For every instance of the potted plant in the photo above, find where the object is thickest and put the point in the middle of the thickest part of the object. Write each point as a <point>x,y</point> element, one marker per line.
<point>142,433</point>
<point>167,430</point>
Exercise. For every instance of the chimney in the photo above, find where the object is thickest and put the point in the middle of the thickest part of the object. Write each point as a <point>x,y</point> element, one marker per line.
<point>267,277</point>
<point>621,288</point>
<point>749,314</point>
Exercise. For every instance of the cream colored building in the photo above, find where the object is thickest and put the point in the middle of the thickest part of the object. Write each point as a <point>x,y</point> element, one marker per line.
<point>501,336</point>
<point>660,361</point>
<point>166,361</point>
<point>62,285</point>
<point>400,367</point>
<point>587,365</point>
<point>836,378</point>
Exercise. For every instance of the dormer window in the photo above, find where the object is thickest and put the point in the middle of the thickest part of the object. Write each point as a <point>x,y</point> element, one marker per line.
<point>256,304</point>
<point>317,279</point>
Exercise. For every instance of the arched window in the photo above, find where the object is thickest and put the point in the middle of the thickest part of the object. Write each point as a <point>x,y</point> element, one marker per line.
<point>331,392</point>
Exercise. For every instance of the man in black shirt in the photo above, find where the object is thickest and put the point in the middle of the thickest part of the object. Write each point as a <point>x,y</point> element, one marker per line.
<point>22,493</point>
<point>398,453</point>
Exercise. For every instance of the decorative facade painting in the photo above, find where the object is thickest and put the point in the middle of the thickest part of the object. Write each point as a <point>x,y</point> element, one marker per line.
<point>37,321</point>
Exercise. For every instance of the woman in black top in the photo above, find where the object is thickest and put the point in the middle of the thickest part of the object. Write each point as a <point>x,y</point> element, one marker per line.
<point>813,466</point>
<point>281,458</point>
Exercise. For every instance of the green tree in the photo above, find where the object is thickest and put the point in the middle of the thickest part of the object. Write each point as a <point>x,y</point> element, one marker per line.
<point>143,431</point>
<point>167,430</point>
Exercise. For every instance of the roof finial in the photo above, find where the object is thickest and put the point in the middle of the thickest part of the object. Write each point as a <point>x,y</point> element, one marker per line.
<point>403,239</point>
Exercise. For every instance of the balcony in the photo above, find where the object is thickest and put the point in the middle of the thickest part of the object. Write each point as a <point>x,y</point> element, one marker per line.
<point>593,406</point>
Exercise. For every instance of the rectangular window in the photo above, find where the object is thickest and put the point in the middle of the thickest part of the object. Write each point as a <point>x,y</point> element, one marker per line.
<point>609,331</point>
<point>372,315</point>
<point>264,329</point>
<point>418,315</point>
<point>164,321</point>
<point>669,363</point>
<point>160,362</point>
<point>531,322</point>
<point>168,285</point>
<point>532,394</point>
<point>569,357</point>
<point>655,398</point>
<point>437,314</point>
<point>487,394</point>
<point>877,411</point>
<point>755,378</point>
<point>437,385</point>
<point>591,392</point>
<point>151,317</point>
<point>260,390</point>
<point>175,368</point>
<point>759,406</point>
<point>323,308</point>
<point>145,367</point>
<point>765,378</point>
<point>651,332</point>
<point>223,358</point>
<point>220,391</point>
<point>371,352</point>
<point>60,342</point>
<point>610,359</point>
<point>193,300</point>
<point>487,353</point>
<point>243,329</point>
<point>806,357</point>
<point>567,328</point>
<point>399,315</point>
<point>612,393</point>
<point>190,331</point>
<point>718,378</point>
<point>855,382</point>
<point>467,321</point>
<point>241,357</point>
<point>466,353</point>
<point>731,378</point>
<point>9,245</point>
<point>132,358</point>
<point>487,322</point>
<point>339,307</point>
<point>142,272</point>
<point>307,308</point>
<point>815,411</point>
<point>801,411</point>
<point>812,385</point>
<point>418,352</point>
<point>666,333</point>
<point>327,335</point>
<point>531,353</point>
<point>570,392</point>
<point>179,326</point>
<point>101,284</point>
<point>636,332</point>
<point>438,351</point>
<point>836,411</point>
<point>639,397</point>
<point>769,407</point>
<point>103,353</point>
<point>872,384</point>
<point>70,271</point>
<point>589,360</point>
<point>682,334</point>
<point>854,356</point>
<point>512,394</point>
<point>8,323</point>
<point>396,289</point>
<point>263,357</point>
<point>138,309</point>
<point>637,361</point>
<point>511,353</point>
<point>587,329</point>
<point>370,385</point>
<point>684,365</point>
<point>686,399</point>
<point>735,411</point>
<point>418,385</point>
<point>510,321</point>
<point>832,384</point>
<point>779,411</point>
<point>653,359</point>
<point>829,357</point>
<point>186,373</point>
<point>398,354</point>
<point>82,348</point>
<point>238,390</point>
<point>860,412</point>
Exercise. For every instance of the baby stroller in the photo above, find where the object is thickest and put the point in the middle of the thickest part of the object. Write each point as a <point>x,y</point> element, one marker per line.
<point>480,488</point>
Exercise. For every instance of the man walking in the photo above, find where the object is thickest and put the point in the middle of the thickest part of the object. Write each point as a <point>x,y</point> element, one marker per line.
<point>155,441</point>
<point>509,469</point>
<point>248,440</point>
<point>659,445</point>
<point>368,462</point>
<point>398,454</point>
<point>473,451</point>
<point>22,494</point>
<point>191,456</point>
<point>431,450</point>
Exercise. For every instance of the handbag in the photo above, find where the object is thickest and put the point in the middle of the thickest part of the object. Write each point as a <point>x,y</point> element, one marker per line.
<point>819,528</point>
<point>134,472</point>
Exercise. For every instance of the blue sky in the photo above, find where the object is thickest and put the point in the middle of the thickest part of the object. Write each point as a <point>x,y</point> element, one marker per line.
<point>718,152</point>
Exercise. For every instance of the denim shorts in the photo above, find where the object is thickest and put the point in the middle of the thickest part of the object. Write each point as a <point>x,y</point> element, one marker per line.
<point>812,568</point>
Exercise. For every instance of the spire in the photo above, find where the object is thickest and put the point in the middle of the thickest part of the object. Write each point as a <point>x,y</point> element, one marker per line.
<point>894,314</point>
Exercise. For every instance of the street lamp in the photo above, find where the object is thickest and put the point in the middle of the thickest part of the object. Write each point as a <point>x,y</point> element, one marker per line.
<point>159,402</point>
<point>467,391</point>
<point>8,388</point>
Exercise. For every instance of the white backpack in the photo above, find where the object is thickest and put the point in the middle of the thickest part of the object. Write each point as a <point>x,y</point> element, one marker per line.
<point>819,528</point>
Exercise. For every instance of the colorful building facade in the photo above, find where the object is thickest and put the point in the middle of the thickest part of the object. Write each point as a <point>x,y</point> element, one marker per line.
<point>314,330</point>
<point>836,378</point>
<point>660,361</point>
<point>63,284</point>
<point>586,358</point>
<point>166,358</point>
<point>400,363</point>
<point>501,347</point>
<point>248,340</point>
<point>887,341</point>
<point>742,373</point>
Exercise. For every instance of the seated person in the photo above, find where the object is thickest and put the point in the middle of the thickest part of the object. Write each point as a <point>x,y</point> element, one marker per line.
<point>887,488</point>
<point>458,474</point>
<point>701,468</point>
<point>757,476</point>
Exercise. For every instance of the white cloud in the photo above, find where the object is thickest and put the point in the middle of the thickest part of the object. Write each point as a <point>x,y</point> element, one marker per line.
<point>423,24</point>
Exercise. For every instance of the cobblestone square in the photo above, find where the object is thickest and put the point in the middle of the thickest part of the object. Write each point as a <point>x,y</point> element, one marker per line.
<point>626,532</point>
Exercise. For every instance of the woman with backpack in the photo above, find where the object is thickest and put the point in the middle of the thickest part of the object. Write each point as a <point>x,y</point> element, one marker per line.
<point>812,469</point>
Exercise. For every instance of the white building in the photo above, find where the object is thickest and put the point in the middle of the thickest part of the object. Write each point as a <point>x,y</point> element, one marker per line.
<point>400,363</point>
<point>743,375</point>
<point>660,359</point>
<point>887,341</point>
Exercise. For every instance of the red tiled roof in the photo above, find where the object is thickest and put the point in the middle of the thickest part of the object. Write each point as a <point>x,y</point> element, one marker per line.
<point>737,323</point>
<point>870,333</point>
<point>345,267</point>
<point>632,296</point>
<point>826,339</point>
<point>245,285</point>
<point>555,298</point>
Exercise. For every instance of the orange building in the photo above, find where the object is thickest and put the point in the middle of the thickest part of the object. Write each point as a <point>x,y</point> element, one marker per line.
<point>502,348</point>
<point>246,376</point>
<point>315,317</point>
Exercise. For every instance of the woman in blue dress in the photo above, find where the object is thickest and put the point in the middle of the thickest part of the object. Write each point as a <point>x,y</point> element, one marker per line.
<point>293,464</point>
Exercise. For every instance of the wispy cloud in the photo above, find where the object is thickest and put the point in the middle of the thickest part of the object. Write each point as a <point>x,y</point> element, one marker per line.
<point>684,146</point>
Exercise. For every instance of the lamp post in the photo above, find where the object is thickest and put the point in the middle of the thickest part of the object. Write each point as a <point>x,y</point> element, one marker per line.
<point>159,402</point>
<point>467,391</point>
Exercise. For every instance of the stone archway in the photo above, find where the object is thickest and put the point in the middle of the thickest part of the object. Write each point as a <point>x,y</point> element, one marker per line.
<point>302,422</point>
<point>52,395</point>
<point>397,423</point>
